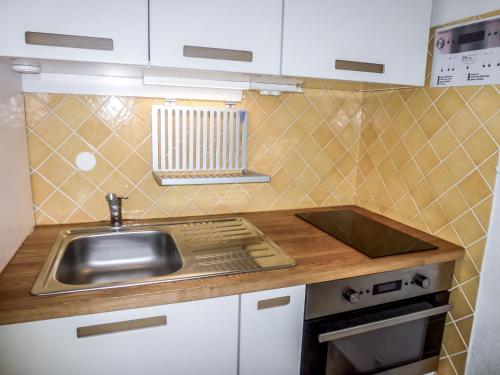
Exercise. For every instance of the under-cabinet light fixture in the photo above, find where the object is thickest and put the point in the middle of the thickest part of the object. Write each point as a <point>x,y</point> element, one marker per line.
<point>264,88</point>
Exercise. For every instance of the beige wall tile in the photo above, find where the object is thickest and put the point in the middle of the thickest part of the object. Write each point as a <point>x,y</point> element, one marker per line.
<point>38,150</point>
<point>52,130</point>
<point>468,228</point>
<point>431,122</point>
<point>474,188</point>
<point>445,367</point>
<point>493,126</point>
<point>35,110</point>
<point>94,131</point>
<point>59,206</point>
<point>485,103</point>
<point>458,164</point>
<point>440,180</point>
<point>470,290</point>
<point>452,340</point>
<point>464,327</point>
<point>449,104</point>
<point>72,146</point>
<point>464,123</point>
<point>459,361</point>
<point>50,100</point>
<point>444,142</point>
<point>77,187</point>
<point>426,159</point>
<point>419,103</point>
<point>72,111</point>
<point>414,139</point>
<point>41,189</point>
<point>55,169</point>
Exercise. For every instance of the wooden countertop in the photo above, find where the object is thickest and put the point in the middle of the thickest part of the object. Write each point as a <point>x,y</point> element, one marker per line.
<point>319,258</point>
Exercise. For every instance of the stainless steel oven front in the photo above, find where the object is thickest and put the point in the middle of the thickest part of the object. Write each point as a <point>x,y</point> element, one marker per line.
<point>388,323</point>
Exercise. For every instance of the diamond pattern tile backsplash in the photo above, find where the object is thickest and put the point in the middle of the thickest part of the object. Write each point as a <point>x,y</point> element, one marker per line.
<point>308,143</point>
<point>427,158</point>
<point>423,156</point>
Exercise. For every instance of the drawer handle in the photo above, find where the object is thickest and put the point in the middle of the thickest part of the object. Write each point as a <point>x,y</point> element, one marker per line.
<point>359,66</point>
<point>273,302</point>
<point>217,53</point>
<point>71,41</point>
<point>126,325</point>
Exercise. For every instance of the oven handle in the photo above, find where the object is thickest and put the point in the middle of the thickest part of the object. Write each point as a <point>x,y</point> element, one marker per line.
<point>347,332</point>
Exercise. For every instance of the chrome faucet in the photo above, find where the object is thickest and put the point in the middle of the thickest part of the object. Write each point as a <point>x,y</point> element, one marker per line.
<point>115,209</point>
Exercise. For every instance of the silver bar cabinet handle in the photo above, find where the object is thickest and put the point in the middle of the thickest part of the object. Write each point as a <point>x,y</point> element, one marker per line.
<point>217,53</point>
<point>126,325</point>
<point>359,66</point>
<point>273,302</point>
<point>70,41</point>
<point>347,332</point>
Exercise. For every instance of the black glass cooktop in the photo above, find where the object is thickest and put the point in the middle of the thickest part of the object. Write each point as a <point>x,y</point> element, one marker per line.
<point>368,236</point>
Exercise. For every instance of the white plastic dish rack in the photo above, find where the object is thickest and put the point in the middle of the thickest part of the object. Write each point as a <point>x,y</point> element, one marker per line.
<point>197,146</point>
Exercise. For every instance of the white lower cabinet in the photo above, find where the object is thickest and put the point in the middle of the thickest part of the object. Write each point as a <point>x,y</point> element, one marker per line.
<point>271,331</point>
<point>190,338</point>
<point>199,337</point>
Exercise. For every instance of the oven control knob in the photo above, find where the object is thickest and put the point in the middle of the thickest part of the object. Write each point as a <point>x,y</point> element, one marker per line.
<point>440,43</point>
<point>422,281</point>
<point>351,295</point>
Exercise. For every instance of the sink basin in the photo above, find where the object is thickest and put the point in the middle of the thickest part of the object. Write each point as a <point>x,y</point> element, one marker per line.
<point>112,257</point>
<point>106,257</point>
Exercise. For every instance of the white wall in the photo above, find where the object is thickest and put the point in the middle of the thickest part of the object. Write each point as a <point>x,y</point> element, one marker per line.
<point>16,208</point>
<point>444,11</point>
<point>484,351</point>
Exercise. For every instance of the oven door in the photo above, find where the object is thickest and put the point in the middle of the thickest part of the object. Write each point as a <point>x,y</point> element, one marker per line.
<point>401,337</point>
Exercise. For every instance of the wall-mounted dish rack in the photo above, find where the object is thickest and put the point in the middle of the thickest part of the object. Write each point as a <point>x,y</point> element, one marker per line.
<point>195,146</point>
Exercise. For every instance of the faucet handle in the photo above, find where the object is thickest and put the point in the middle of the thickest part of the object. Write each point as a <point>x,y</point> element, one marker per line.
<point>110,197</point>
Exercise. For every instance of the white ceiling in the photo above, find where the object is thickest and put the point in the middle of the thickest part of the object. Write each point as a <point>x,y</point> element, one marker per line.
<point>445,11</point>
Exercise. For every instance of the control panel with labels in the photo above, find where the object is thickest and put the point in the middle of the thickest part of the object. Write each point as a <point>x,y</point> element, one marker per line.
<point>467,55</point>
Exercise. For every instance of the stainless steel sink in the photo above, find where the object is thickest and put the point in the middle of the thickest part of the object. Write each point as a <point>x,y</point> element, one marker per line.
<point>118,256</point>
<point>108,257</point>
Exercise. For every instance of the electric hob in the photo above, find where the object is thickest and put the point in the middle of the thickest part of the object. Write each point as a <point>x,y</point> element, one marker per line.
<point>366,235</point>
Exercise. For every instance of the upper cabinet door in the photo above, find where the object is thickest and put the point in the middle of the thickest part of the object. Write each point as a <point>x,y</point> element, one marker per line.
<point>221,35</point>
<point>358,40</point>
<point>112,31</point>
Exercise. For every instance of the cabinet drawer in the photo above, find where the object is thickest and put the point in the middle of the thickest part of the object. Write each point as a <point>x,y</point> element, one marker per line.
<point>271,331</point>
<point>185,338</point>
<point>111,31</point>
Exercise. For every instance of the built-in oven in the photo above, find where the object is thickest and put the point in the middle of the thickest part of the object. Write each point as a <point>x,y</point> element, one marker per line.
<point>389,323</point>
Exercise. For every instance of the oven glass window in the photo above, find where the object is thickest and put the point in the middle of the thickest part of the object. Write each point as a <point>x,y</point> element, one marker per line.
<point>377,350</point>
<point>352,343</point>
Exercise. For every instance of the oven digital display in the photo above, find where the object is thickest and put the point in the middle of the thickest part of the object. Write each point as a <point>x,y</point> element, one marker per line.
<point>477,36</point>
<point>391,286</point>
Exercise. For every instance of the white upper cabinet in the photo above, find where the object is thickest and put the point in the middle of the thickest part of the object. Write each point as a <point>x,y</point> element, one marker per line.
<point>221,35</point>
<point>112,31</point>
<point>271,331</point>
<point>358,40</point>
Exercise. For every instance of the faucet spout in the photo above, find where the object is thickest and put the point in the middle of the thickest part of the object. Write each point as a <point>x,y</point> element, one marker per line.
<point>115,209</point>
